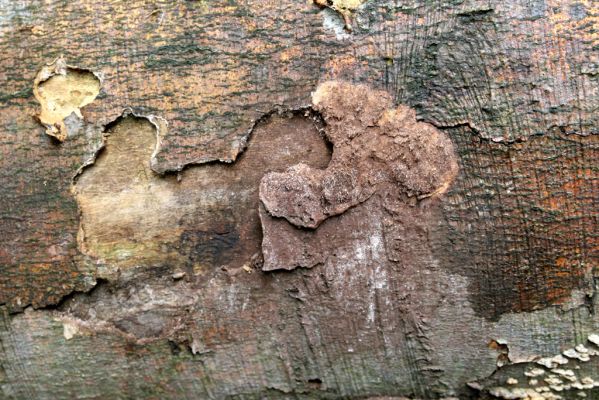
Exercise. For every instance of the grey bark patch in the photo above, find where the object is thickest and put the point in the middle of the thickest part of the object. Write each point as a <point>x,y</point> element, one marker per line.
<point>143,229</point>
<point>577,11</point>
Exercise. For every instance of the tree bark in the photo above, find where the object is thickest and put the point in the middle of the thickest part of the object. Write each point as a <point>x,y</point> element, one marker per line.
<point>254,199</point>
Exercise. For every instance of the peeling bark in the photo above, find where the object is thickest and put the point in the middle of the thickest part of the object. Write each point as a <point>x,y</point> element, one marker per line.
<point>376,150</point>
<point>203,218</point>
<point>164,293</point>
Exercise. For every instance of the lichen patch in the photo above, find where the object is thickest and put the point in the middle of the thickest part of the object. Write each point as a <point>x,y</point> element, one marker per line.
<point>63,90</point>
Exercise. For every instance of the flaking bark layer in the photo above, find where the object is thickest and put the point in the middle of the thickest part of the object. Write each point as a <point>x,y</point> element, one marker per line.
<point>376,149</point>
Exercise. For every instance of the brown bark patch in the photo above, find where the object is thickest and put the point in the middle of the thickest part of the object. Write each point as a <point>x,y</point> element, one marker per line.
<point>521,221</point>
<point>376,148</point>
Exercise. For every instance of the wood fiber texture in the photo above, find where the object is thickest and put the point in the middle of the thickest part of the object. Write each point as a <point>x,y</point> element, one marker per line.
<point>131,260</point>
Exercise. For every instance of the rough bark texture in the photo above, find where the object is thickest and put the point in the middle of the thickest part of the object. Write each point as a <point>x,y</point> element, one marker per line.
<point>424,225</point>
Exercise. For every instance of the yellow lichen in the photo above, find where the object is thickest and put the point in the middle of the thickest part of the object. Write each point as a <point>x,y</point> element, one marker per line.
<point>343,7</point>
<point>62,90</point>
<point>347,4</point>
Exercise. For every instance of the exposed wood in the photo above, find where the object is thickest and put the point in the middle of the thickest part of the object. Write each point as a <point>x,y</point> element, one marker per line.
<point>131,252</point>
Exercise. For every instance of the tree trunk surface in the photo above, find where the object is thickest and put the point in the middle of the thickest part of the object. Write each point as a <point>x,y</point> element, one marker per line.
<point>345,199</point>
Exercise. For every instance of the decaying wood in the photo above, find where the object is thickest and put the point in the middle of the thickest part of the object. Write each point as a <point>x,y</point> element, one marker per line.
<point>249,199</point>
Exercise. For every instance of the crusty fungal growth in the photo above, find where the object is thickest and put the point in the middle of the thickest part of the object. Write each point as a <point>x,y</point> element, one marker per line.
<point>571,374</point>
<point>374,144</point>
<point>63,90</point>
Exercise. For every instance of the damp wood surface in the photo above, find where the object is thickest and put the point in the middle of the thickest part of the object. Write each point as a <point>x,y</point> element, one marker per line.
<point>183,215</point>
